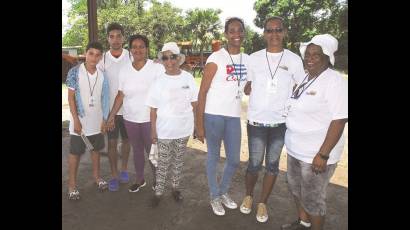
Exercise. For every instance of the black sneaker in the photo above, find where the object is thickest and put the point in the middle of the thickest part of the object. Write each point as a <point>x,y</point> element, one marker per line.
<point>136,187</point>
<point>294,226</point>
<point>177,196</point>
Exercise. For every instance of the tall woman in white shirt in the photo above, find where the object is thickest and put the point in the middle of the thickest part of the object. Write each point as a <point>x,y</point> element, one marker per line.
<point>134,82</point>
<point>314,140</point>
<point>219,111</point>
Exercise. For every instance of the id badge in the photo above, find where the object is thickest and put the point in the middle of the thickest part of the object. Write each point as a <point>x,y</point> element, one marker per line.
<point>91,102</point>
<point>272,86</point>
<point>239,95</point>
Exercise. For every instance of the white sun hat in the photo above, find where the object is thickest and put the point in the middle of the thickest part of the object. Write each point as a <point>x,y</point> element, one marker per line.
<point>173,47</point>
<point>326,41</point>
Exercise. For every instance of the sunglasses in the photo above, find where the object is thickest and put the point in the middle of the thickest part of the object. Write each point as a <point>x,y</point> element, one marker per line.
<point>171,57</point>
<point>276,30</point>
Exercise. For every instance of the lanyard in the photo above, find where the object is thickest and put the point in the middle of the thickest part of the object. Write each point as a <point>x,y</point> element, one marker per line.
<point>240,68</point>
<point>270,71</point>
<point>296,94</point>
<point>89,84</point>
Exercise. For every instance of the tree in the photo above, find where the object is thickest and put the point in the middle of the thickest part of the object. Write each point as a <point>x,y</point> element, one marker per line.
<point>252,41</point>
<point>160,23</point>
<point>163,23</point>
<point>204,25</point>
<point>305,18</point>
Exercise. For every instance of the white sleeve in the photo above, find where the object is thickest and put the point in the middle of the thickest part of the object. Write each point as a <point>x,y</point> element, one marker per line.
<point>251,69</point>
<point>194,90</point>
<point>121,79</point>
<point>100,64</point>
<point>212,58</point>
<point>337,98</point>
<point>153,95</point>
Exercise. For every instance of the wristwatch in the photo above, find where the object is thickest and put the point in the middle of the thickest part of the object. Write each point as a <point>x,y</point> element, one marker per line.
<point>323,156</point>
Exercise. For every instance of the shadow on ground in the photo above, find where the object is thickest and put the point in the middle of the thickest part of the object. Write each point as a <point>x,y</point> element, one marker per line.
<point>123,210</point>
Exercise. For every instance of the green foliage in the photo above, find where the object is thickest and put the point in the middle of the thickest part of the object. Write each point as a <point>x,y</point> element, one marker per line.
<point>253,41</point>
<point>306,18</point>
<point>160,23</point>
<point>204,25</point>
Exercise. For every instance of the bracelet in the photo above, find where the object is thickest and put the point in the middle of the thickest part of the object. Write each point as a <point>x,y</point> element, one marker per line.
<point>323,156</point>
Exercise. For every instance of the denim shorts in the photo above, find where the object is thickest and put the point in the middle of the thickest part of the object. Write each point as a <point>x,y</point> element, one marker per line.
<point>308,187</point>
<point>265,143</point>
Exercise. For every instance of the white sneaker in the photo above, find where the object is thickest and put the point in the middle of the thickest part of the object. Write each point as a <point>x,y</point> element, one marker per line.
<point>246,206</point>
<point>228,202</point>
<point>217,207</point>
<point>262,213</point>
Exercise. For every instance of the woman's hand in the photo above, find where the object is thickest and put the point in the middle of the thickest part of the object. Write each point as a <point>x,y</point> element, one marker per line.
<point>318,164</point>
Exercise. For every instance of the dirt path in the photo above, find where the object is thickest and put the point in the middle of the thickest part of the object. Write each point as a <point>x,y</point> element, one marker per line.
<point>123,210</point>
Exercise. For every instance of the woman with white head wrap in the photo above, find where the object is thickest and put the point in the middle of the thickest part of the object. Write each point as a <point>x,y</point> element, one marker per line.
<point>316,116</point>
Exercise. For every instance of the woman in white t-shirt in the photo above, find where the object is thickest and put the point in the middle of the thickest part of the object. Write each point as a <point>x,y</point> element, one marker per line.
<point>316,117</point>
<point>134,81</point>
<point>219,111</point>
<point>173,100</point>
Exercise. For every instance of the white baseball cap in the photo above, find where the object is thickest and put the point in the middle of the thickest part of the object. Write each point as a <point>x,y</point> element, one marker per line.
<point>173,47</point>
<point>327,42</point>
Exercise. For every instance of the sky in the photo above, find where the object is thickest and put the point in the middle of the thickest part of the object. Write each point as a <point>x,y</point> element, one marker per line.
<point>238,8</point>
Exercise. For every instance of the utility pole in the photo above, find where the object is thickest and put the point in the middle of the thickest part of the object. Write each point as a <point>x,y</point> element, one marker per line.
<point>92,20</point>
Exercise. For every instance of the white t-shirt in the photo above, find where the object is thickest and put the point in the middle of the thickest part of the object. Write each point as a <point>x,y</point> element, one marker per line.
<point>135,85</point>
<point>268,97</point>
<point>221,97</point>
<point>111,67</point>
<point>309,117</point>
<point>93,116</point>
<point>172,96</point>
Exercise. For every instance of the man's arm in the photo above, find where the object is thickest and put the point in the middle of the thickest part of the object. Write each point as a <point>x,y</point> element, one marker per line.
<point>73,111</point>
<point>115,108</point>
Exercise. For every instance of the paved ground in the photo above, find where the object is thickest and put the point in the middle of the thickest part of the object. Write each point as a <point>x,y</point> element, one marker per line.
<point>123,210</point>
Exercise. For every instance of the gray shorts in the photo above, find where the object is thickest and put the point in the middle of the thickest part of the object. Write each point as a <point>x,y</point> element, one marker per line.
<point>308,187</point>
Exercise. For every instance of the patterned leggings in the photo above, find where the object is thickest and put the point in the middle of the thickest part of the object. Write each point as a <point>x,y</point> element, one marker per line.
<point>170,152</point>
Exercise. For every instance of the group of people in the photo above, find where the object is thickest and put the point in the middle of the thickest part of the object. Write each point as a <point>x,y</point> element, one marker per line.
<point>302,105</point>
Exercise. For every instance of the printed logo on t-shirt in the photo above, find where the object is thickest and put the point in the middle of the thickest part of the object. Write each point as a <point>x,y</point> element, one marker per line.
<point>185,87</point>
<point>235,72</point>
<point>283,67</point>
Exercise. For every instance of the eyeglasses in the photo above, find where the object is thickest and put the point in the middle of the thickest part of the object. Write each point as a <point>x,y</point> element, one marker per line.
<point>172,57</point>
<point>276,30</point>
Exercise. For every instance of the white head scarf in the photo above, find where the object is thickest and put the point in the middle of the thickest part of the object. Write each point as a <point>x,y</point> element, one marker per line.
<point>326,41</point>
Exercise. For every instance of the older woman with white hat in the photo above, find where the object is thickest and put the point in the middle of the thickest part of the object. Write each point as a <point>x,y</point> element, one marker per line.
<point>173,99</point>
<point>316,117</point>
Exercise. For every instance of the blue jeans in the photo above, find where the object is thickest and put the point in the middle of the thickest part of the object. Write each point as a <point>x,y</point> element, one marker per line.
<point>228,129</point>
<point>265,142</point>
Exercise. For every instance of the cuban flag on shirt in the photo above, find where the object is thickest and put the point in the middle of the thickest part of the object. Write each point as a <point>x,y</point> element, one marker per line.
<point>233,72</point>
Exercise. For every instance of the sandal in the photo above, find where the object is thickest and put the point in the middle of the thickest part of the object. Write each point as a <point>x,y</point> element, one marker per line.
<point>102,185</point>
<point>74,195</point>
